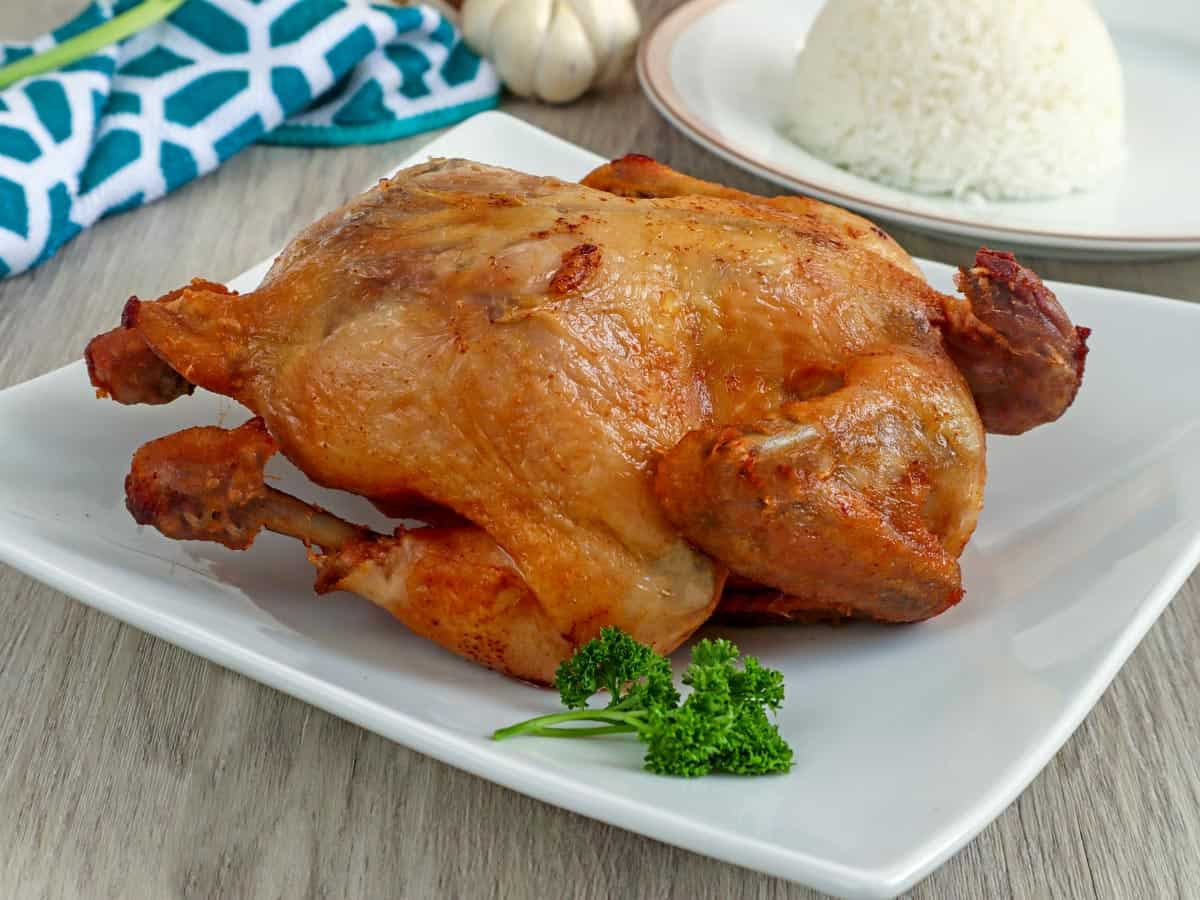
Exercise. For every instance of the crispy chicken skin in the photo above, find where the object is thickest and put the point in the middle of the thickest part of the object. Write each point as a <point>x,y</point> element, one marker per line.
<point>618,394</point>
<point>641,176</point>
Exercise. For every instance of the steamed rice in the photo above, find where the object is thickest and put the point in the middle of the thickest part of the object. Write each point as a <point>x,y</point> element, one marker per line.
<point>1000,99</point>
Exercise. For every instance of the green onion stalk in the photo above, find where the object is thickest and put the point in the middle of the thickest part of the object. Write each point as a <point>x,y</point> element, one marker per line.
<point>89,42</point>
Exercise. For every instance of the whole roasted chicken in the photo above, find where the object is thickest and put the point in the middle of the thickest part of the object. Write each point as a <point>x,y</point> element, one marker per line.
<point>628,402</point>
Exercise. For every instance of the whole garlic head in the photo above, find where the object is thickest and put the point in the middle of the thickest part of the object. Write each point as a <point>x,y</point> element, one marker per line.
<point>553,50</point>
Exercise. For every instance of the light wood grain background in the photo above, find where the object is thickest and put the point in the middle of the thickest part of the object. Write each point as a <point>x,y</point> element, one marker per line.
<point>129,768</point>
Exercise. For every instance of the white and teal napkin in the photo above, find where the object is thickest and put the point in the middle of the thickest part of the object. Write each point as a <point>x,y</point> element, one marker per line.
<point>122,128</point>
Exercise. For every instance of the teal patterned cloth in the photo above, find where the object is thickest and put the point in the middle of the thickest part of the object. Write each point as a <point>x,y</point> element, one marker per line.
<point>122,128</point>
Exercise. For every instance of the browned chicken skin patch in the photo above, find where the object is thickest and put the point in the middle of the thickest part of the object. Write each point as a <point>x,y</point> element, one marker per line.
<point>615,402</point>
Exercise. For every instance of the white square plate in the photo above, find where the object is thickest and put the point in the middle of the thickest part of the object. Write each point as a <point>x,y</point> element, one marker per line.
<point>909,740</point>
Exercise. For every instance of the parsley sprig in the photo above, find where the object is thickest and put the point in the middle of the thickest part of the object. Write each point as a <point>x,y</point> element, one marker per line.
<point>722,726</point>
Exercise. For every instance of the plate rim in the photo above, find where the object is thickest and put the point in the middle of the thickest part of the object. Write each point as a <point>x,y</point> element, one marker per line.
<point>655,77</point>
<point>626,812</point>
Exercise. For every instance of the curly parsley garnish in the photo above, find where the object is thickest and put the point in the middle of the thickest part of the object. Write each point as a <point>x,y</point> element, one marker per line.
<point>722,726</point>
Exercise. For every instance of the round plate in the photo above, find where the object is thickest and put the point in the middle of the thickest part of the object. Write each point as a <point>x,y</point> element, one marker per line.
<point>719,70</point>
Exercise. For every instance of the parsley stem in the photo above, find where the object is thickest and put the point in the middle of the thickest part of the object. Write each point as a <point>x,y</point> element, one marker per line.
<point>581,732</point>
<point>116,29</point>
<point>627,721</point>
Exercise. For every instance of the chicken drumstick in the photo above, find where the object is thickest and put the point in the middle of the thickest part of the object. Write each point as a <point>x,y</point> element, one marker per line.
<point>454,586</point>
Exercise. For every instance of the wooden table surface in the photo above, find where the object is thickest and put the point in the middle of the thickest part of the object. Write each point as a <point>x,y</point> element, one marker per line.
<point>129,768</point>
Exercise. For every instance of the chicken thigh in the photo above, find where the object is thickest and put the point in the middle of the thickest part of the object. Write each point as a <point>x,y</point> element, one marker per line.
<point>608,404</point>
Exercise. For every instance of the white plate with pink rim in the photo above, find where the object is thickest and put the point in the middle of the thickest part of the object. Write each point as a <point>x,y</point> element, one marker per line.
<point>908,740</point>
<point>719,71</point>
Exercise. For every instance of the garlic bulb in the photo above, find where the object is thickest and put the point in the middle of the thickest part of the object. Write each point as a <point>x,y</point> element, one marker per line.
<point>553,50</point>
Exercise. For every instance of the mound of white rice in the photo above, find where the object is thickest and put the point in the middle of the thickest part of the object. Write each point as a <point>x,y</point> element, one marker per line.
<point>1001,99</point>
